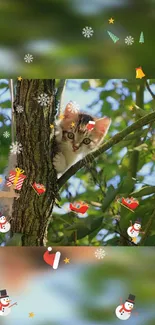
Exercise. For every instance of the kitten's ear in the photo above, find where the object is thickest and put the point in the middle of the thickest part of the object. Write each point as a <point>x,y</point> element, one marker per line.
<point>70,113</point>
<point>102,125</point>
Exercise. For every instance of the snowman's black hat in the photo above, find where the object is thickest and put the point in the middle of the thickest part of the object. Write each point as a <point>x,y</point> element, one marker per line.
<point>131,298</point>
<point>3,294</point>
<point>139,220</point>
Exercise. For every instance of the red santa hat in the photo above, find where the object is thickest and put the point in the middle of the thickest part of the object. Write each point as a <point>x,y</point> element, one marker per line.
<point>90,125</point>
<point>52,259</point>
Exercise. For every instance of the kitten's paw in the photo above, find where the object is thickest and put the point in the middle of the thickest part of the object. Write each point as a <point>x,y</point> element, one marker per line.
<point>59,163</point>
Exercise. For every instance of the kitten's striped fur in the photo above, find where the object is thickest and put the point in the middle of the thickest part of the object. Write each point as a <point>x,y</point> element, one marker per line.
<point>73,137</point>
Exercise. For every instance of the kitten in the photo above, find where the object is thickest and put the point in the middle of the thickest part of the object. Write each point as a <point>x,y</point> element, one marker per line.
<point>74,140</point>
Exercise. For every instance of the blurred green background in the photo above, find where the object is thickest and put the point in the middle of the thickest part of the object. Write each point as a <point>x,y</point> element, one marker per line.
<point>52,32</point>
<point>84,292</point>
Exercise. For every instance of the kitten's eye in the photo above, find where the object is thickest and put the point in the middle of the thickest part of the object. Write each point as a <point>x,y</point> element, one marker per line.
<point>86,141</point>
<point>70,135</point>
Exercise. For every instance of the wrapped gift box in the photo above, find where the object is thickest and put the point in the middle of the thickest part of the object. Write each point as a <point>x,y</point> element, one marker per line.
<point>16,178</point>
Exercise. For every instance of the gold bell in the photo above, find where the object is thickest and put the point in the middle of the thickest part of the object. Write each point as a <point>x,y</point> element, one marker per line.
<point>139,73</point>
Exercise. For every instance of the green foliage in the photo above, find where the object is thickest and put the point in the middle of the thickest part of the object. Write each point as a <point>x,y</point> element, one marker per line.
<point>127,169</point>
<point>115,174</point>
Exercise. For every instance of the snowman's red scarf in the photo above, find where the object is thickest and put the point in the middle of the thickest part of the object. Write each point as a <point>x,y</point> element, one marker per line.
<point>133,228</point>
<point>1,305</point>
<point>2,223</point>
<point>123,308</point>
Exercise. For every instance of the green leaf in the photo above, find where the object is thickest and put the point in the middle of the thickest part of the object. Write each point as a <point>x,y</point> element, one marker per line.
<point>146,190</point>
<point>85,85</point>
<point>6,104</point>
<point>127,185</point>
<point>4,85</point>
<point>110,196</point>
<point>150,241</point>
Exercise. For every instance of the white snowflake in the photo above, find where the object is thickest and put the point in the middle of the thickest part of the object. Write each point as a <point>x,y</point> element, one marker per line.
<point>16,148</point>
<point>28,58</point>
<point>129,40</point>
<point>43,99</point>
<point>73,107</point>
<point>19,109</point>
<point>100,253</point>
<point>87,32</point>
<point>6,134</point>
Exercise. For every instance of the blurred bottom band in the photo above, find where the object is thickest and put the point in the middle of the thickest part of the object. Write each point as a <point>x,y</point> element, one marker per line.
<point>76,284</point>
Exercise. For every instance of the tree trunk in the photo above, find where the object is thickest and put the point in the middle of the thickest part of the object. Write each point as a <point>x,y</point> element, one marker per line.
<point>32,213</point>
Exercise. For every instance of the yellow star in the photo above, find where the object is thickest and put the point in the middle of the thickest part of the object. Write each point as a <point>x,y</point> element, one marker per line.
<point>134,240</point>
<point>72,124</point>
<point>61,117</point>
<point>130,107</point>
<point>66,260</point>
<point>31,315</point>
<point>111,21</point>
<point>51,126</point>
<point>19,78</point>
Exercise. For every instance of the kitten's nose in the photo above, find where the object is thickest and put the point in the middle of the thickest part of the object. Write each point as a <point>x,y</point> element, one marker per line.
<point>75,147</point>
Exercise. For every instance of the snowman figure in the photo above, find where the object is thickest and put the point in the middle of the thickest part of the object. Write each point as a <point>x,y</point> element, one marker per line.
<point>4,224</point>
<point>4,303</point>
<point>5,307</point>
<point>134,230</point>
<point>123,311</point>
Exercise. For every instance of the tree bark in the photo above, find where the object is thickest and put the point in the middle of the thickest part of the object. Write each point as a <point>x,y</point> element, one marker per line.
<point>32,213</point>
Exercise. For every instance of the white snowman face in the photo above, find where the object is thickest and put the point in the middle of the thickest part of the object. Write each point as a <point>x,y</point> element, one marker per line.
<point>2,219</point>
<point>5,301</point>
<point>137,226</point>
<point>129,305</point>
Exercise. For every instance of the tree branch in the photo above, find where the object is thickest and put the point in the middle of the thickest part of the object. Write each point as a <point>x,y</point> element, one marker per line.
<point>148,229</point>
<point>12,108</point>
<point>129,241</point>
<point>149,89</point>
<point>107,145</point>
<point>60,93</point>
<point>134,155</point>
